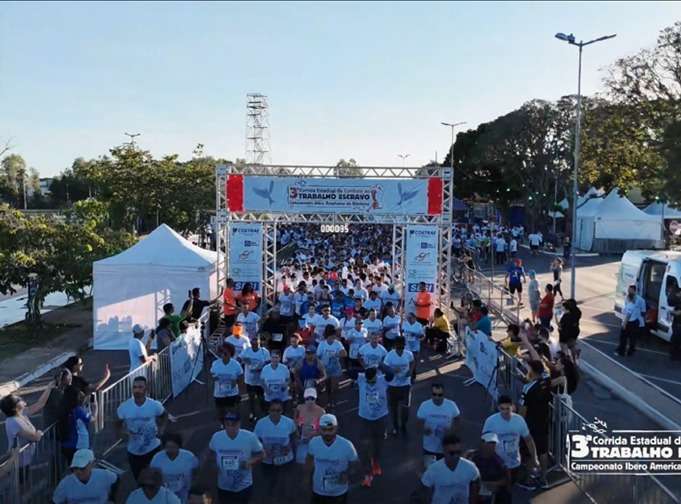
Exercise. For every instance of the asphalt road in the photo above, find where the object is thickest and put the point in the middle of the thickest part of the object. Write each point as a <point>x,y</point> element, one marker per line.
<point>596,282</point>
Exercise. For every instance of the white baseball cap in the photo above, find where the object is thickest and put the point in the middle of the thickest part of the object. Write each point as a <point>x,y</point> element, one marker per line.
<point>328,420</point>
<point>137,329</point>
<point>82,458</point>
<point>490,437</point>
<point>310,392</point>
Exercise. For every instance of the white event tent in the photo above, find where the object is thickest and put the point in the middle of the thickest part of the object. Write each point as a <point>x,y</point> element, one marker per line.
<point>614,224</point>
<point>132,287</point>
<point>660,209</point>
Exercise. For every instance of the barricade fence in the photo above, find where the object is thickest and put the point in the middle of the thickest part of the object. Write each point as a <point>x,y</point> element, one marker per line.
<point>563,419</point>
<point>29,474</point>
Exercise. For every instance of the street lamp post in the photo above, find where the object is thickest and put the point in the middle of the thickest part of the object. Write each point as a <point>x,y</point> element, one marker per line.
<point>570,39</point>
<point>451,156</point>
<point>403,157</point>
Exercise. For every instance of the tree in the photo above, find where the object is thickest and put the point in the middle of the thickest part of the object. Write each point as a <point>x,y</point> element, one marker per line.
<point>348,168</point>
<point>58,253</point>
<point>13,174</point>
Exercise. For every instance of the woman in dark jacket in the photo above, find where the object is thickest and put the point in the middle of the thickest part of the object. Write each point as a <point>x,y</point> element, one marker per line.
<point>568,326</point>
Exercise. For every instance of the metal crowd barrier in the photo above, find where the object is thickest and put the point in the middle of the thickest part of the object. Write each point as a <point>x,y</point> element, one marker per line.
<point>646,489</point>
<point>29,474</point>
<point>159,387</point>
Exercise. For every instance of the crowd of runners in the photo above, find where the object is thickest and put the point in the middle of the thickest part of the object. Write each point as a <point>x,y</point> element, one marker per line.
<point>338,319</point>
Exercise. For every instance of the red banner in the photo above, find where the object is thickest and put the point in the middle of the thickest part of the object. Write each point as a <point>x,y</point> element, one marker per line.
<point>235,193</point>
<point>434,196</point>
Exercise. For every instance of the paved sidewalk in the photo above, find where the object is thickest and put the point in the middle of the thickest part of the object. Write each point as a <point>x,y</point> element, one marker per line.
<point>20,369</point>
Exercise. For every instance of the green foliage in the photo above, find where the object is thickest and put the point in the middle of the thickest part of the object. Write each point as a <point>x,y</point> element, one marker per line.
<point>59,253</point>
<point>348,168</point>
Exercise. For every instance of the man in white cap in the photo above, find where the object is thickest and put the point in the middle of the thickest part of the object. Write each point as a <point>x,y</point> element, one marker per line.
<point>86,484</point>
<point>334,460</point>
<point>451,479</point>
<point>137,350</point>
<point>495,477</point>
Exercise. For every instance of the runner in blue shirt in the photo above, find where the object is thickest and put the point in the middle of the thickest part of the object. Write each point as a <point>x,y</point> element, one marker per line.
<point>515,276</point>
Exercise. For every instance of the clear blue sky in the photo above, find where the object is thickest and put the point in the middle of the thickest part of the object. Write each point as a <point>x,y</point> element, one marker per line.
<point>362,80</point>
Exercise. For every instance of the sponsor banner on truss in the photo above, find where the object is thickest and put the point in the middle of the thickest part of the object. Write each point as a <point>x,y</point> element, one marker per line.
<point>421,263</point>
<point>245,254</point>
<point>334,195</point>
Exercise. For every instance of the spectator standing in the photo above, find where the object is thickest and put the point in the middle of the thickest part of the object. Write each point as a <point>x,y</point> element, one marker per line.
<point>568,325</point>
<point>423,303</point>
<point>229,303</point>
<point>515,276</point>
<point>54,404</point>
<point>75,366</point>
<point>633,322</point>
<point>19,429</point>
<point>557,270</point>
<point>545,312</point>
<point>74,423</point>
<point>248,297</point>
<point>138,351</point>
<point>194,306</point>
<point>484,323</point>
<point>533,295</point>
<point>143,419</point>
<point>438,333</point>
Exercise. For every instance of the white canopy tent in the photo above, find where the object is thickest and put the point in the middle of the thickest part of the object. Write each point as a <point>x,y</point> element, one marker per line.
<point>586,216</point>
<point>660,209</point>
<point>132,287</point>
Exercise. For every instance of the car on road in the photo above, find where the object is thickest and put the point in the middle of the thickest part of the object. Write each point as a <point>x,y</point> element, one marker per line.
<point>654,272</point>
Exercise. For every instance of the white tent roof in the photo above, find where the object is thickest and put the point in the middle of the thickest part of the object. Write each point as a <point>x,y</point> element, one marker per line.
<point>657,209</point>
<point>590,208</point>
<point>591,193</point>
<point>618,207</point>
<point>163,247</point>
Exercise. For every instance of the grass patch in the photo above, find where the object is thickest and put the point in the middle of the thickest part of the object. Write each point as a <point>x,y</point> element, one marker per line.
<point>19,337</point>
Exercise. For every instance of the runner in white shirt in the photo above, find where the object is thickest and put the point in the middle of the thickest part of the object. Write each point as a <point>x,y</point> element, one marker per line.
<point>399,363</point>
<point>373,325</point>
<point>414,332</point>
<point>236,451</point>
<point>452,479</point>
<point>360,291</point>
<point>178,466</point>
<point>438,416</point>
<point>330,352</point>
<point>286,306</point>
<point>254,359</point>
<point>372,354</point>
<point>85,484</point>
<point>374,302</point>
<point>535,241</point>
<point>278,435</point>
<point>509,428</point>
<point>142,418</point>
<point>294,353</point>
<point>373,410</point>
<point>276,379</point>
<point>347,324</point>
<point>299,297</point>
<point>250,321</point>
<point>391,296</point>
<point>391,326</point>
<point>321,321</point>
<point>513,247</point>
<point>227,375</point>
<point>332,459</point>
<point>355,339</point>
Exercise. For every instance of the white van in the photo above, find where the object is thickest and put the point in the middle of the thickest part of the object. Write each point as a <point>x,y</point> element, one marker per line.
<point>654,272</point>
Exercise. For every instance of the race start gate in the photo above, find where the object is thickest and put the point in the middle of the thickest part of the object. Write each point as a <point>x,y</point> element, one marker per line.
<point>252,200</point>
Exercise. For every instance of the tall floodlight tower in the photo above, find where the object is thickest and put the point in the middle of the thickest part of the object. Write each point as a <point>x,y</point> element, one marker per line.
<point>257,129</point>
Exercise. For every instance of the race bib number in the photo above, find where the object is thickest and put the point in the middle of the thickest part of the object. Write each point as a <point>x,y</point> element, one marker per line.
<point>226,385</point>
<point>509,447</point>
<point>174,482</point>
<point>277,337</point>
<point>229,462</point>
<point>331,482</point>
<point>373,398</point>
<point>280,459</point>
